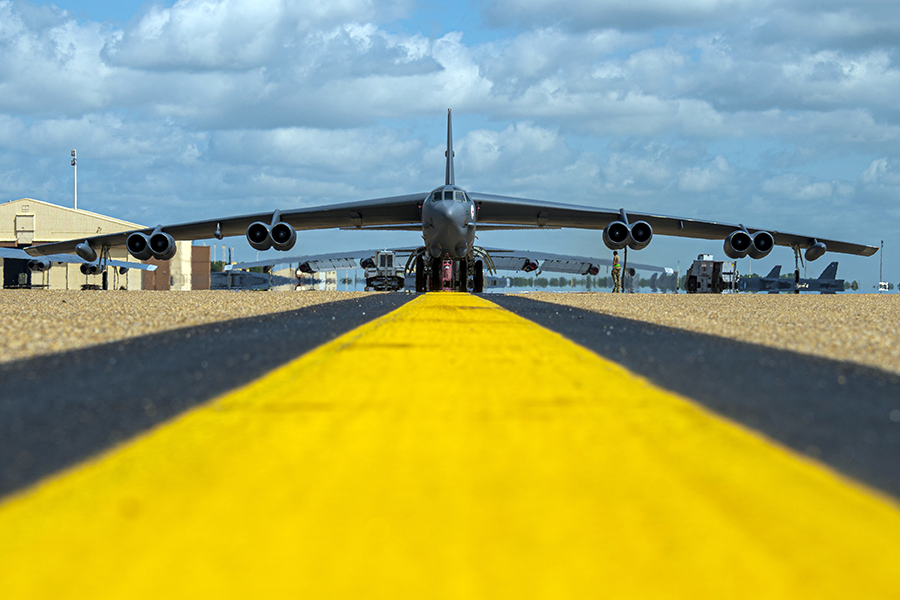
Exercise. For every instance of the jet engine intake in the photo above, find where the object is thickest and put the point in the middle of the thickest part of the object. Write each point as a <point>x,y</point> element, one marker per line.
<point>162,245</point>
<point>159,245</point>
<point>529,266</point>
<point>738,244</point>
<point>640,233</point>
<point>38,265</point>
<point>138,245</point>
<point>90,268</point>
<point>279,235</point>
<point>283,236</point>
<point>763,242</point>
<point>258,236</point>
<point>593,270</point>
<point>616,235</point>
<point>619,234</point>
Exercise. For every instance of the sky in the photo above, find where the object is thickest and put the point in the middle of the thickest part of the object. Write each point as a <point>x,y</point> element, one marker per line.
<point>775,114</point>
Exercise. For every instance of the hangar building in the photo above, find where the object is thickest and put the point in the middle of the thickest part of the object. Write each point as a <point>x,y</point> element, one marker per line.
<point>26,222</point>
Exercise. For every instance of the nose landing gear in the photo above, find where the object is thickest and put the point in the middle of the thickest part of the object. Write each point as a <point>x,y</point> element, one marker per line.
<point>446,274</point>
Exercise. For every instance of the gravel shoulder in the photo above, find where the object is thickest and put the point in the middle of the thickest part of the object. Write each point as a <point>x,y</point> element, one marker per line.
<point>856,328</point>
<point>39,322</point>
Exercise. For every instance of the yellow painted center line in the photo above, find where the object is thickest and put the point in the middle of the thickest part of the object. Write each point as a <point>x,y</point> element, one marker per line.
<point>449,450</point>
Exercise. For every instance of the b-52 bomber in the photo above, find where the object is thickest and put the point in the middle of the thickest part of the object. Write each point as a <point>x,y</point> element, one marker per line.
<point>448,217</point>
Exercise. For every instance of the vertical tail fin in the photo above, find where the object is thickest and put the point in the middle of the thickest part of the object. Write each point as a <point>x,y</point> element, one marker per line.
<point>775,273</point>
<point>450,176</point>
<point>830,272</point>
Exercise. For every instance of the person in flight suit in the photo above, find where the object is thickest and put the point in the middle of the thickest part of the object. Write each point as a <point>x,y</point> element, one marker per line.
<point>616,273</point>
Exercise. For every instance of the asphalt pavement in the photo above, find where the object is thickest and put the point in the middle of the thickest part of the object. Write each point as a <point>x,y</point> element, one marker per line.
<point>56,410</point>
<point>835,412</point>
<point>59,409</point>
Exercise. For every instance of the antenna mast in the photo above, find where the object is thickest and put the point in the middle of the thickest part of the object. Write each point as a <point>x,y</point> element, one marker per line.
<point>75,164</point>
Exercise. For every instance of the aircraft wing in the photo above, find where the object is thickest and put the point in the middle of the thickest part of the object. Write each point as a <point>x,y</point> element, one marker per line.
<point>494,212</point>
<point>70,258</point>
<point>507,210</point>
<point>365,214</point>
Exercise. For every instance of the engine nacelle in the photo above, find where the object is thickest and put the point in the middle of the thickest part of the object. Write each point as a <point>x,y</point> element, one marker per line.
<point>305,268</point>
<point>640,234</point>
<point>283,236</point>
<point>366,263</point>
<point>259,236</point>
<point>616,235</point>
<point>279,235</point>
<point>619,234</point>
<point>815,251</point>
<point>593,270</point>
<point>159,245</point>
<point>529,266</point>
<point>38,265</point>
<point>162,245</point>
<point>138,245</point>
<point>763,242</point>
<point>90,268</point>
<point>738,244</point>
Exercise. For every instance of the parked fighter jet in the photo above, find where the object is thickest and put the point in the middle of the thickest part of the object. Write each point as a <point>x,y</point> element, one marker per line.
<point>667,281</point>
<point>773,283</point>
<point>447,218</point>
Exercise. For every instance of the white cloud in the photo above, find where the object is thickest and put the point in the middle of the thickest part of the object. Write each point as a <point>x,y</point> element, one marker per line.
<point>699,179</point>
<point>731,110</point>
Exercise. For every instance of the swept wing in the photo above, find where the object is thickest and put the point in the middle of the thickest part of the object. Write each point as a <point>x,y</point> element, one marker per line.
<point>524,212</point>
<point>394,210</point>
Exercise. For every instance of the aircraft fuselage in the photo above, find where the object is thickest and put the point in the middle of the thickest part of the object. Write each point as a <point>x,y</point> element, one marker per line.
<point>448,223</point>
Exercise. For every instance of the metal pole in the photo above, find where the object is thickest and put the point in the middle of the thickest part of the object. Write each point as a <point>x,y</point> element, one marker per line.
<point>75,164</point>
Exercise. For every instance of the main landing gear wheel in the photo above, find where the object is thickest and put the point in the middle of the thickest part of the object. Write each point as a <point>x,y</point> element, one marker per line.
<point>420,275</point>
<point>479,277</point>
<point>436,275</point>
<point>462,275</point>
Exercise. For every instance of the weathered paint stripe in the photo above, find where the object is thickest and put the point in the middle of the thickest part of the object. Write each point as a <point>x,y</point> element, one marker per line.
<point>449,450</point>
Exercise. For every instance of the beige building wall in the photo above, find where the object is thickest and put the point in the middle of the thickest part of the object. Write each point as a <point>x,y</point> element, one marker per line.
<point>180,269</point>
<point>27,221</point>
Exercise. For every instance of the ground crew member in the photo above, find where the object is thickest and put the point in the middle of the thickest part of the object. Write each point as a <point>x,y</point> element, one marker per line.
<point>616,273</point>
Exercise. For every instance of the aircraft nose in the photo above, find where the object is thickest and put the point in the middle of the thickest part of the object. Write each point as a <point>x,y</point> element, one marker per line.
<point>449,212</point>
<point>449,228</point>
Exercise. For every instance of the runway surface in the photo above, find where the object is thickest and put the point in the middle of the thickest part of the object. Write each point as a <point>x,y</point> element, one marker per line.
<point>452,449</point>
<point>58,409</point>
<point>837,412</point>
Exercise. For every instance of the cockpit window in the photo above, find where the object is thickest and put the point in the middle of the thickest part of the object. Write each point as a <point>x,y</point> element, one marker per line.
<point>450,195</point>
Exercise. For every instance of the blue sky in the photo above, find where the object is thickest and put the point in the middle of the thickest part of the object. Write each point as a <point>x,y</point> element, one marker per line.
<point>777,114</point>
